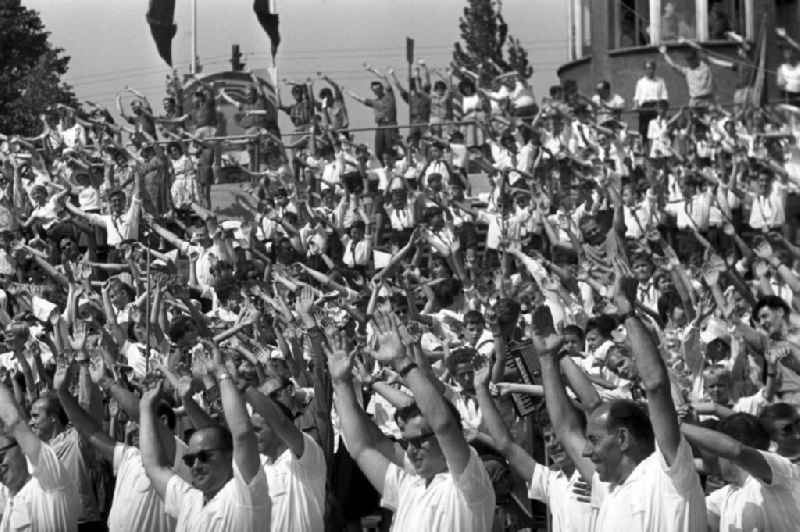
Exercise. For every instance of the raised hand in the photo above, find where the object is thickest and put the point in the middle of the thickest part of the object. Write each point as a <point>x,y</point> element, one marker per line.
<point>63,375</point>
<point>390,346</point>
<point>98,371</point>
<point>152,395</point>
<point>304,302</point>
<point>482,376</point>
<point>624,293</point>
<point>77,339</point>
<point>763,250</point>
<point>340,362</point>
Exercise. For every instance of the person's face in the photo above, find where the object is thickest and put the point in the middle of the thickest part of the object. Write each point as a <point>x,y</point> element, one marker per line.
<point>621,365</point>
<point>13,466</point>
<point>39,196</point>
<point>357,233</point>
<point>678,317</point>
<point>464,376</point>
<point>785,432</point>
<point>717,389</point>
<point>650,70</point>
<point>643,270</point>
<point>435,153</point>
<point>555,451</point>
<point>628,197</point>
<point>377,90</point>
<point>763,184</point>
<point>457,193</point>
<point>591,232</point>
<point>439,268</point>
<point>267,440</point>
<point>770,320</point>
<point>68,248</point>
<point>209,463</point>
<point>473,330</point>
<point>593,339</point>
<point>398,198</point>
<point>174,153</point>
<point>470,257</point>
<point>117,203</point>
<point>118,295</point>
<point>41,423</point>
<point>422,448</point>
<point>572,344</point>
<point>168,105</point>
<point>603,447</point>
<point>436,222</point>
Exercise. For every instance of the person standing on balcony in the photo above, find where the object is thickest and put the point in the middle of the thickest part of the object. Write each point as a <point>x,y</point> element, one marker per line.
<point>699,78</point>
<point>649,91</point>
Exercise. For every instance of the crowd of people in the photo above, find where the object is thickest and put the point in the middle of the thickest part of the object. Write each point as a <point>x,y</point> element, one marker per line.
<point>610,328</point>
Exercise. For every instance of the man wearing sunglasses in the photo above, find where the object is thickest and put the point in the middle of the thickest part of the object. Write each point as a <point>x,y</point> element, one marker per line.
<point>449,488</point>
<point>229,490</point>
<point>38,493</point>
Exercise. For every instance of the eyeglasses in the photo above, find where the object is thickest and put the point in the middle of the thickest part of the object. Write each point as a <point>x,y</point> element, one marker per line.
<point>203,457</point>
<point>416,441</point>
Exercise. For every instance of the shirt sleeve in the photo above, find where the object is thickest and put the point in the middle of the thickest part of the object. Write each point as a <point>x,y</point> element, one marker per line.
<point>539,484</point>
<point>682,472</point>
<point>177,490</point>
<point>121,453</point>
<point>48,471</point>
<point>714,501</point>
<point>390,498</point>
<point>474,482</point>
<point>784,472</point>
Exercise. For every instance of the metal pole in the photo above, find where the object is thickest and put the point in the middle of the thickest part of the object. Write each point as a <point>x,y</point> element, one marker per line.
<point>147,305</point>
<point>193,66</point>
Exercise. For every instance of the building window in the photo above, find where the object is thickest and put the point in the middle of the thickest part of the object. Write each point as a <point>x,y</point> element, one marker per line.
<point>678,20</point>
<point>581,38</point>
<point>630,23</point>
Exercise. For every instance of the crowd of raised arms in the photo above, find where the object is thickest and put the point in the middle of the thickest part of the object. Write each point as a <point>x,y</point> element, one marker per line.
<point>609,328</point>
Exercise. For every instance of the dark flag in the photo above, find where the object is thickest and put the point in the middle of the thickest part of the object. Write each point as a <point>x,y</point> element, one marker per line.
<point>161,18</point>
<point>268,21</point>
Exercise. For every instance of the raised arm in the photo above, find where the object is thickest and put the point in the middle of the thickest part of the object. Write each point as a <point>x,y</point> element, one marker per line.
<point>722,445</point>
<point>283,427</point>
<point>652,370</point>
<point>16,425</point>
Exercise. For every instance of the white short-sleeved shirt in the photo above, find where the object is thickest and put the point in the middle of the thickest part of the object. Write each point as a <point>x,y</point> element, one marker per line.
<point>297,489</point>
<point>465,502</point>
<point>48,502</point>
<point>237,507</point>
<point>136,505</point>
<point>785,474</point>
<point>554,488</point>
<point>754,506</point>
<point>655,497</point>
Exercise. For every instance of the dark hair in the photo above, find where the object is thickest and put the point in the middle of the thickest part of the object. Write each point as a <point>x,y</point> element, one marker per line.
<point>507,311</point>
<point>604,323</point>
<point>178,326</point>
<point>624,413</point>
<point>53,408</point>
<point>668,302</point>
<point>411,411</point>
<point>447,291</point>
<point>771,302</point>
<point>463,355</point>
<point>223,434</point>
<point>774,412</point>
<point>473,316</point>
<point>164,409</point>
<point>745,428</point>
<point>573,329</point>
<point>175,145</point>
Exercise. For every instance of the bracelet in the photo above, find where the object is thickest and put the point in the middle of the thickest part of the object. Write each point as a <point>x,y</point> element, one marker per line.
<point>405,370</point>
<point>223,377</point>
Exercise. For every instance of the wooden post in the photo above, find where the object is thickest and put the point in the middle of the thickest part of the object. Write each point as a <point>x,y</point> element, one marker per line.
<point>410,60</point>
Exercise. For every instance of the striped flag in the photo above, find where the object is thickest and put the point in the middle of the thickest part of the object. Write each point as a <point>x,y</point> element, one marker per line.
<point>161,18</point>
<point>268,18</point>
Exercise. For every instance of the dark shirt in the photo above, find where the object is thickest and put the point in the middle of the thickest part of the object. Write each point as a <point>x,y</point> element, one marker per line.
<point>205,114</point>
<point>420,105</point>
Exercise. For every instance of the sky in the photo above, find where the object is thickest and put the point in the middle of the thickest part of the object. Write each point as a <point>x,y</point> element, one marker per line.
<point>110,44</point>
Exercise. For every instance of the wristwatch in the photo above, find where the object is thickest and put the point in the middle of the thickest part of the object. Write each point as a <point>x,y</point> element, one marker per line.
<point>405,370</point>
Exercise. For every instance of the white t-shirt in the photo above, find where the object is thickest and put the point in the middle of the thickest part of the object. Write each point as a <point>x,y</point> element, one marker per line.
<point>464,503</point>
<point>785,474</point>
<point>655,497</point>
<point>754,506</point>
<point>554,488</point>
<point>297,489</point>
<point>237,507</point>
<point>136,505</point>
<point>48,502</point>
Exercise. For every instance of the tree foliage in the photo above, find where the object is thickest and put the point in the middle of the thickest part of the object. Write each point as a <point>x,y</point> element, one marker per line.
<point>487,48</point>
<point>30,70</point>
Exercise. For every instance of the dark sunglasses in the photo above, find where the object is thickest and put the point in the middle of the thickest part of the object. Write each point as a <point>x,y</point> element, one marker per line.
<point>416,441</point>
<point>203,457</point>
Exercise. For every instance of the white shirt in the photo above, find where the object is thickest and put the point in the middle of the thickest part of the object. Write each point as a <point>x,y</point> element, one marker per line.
<point>555,489</point>
<point>789,77</point>
<point>119,228</point>
<point>237,507</point>
<point>463,503</point>
<point>769,211</point>
<point>649,90</point>
<point>297,489</point>
<point>786,474</point>
<point>654,498</point>
<point>136,505</point>
<point>48,502</point>
<point>355,253</point>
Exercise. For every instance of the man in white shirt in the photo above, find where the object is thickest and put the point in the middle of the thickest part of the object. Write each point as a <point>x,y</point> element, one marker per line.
<point>765,486</point>
<point>136,505</point>
<point>38,493</point>
<point>768,210</point>
<point>649,91</point>
<point>119,224</point>
<point>448,487</point>
<point>788,76</point>
<point>229,487</point>
<point>294,464</point>
<point>608,106</point>
<point>642,471</point>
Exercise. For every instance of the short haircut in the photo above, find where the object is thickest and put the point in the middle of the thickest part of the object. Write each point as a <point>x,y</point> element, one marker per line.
<point>447,291</point>
<point>223,435</point>
<point>575,330</point>
<point>630,415</point>
<point>603,323</point>
<point>746,429</point>
<point>771,302</point>
<point>464,355</point>
<point>164,409</point>
<point>473,316</point>
<point>53,408</point>
<point>774,412</point>
<point>411,411</point>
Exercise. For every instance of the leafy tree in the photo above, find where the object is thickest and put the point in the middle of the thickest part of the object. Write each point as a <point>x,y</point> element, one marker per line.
<point>487,47</point>
<point>30,70</point>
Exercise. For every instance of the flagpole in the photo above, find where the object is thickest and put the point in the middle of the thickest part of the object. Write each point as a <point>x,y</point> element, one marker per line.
<point>193,66</point>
